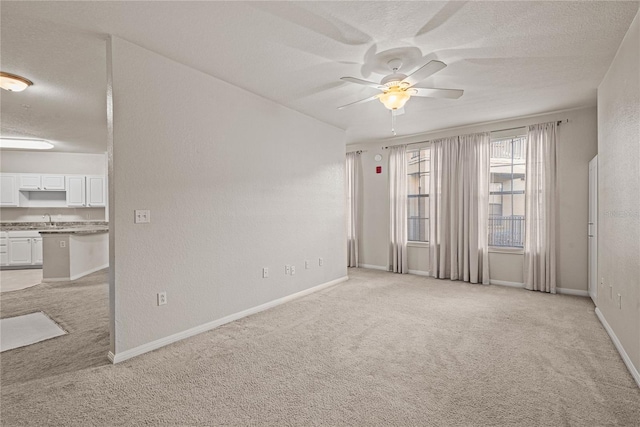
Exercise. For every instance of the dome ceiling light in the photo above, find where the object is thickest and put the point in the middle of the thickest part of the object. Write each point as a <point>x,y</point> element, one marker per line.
<point>13,82</point>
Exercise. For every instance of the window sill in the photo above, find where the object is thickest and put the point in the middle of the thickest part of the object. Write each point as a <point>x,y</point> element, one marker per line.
<point>418,244</point>
<point>512,251</point>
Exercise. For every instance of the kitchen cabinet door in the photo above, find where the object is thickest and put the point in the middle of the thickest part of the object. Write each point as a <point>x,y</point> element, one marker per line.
<point>30,182</point>
<point>20,251</point>
<point>9,190</point>
<point>76,191</point>
<point>36,251</point>
<point>96,191</point>
<point>4,249</point>
<point>53,182</point>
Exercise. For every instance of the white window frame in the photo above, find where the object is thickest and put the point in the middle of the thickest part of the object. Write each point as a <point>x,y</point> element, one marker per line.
<point>420,194</point>
<point>501,136</point>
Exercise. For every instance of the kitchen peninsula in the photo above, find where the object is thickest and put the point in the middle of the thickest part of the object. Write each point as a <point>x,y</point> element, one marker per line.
<point>73,252</point>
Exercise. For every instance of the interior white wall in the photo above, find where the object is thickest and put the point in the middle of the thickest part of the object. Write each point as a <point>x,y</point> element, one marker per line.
<point>619,194</point>
<point>234,183</point>
<point>577,144</point>
<point>58,163</point>
<point>54,163</point>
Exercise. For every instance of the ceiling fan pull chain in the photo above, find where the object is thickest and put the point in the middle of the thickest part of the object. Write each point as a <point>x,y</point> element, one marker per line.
<point>393,123</point>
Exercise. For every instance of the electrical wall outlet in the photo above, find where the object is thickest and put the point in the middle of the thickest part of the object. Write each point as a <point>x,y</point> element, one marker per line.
<point>320,262</point>
<point>142,216</point>
<point>306,264</point>
<point>293,270</point>
<point>265,272</point>
<point>63,243</point>
<point>287,269</point>
<point>162,298</point>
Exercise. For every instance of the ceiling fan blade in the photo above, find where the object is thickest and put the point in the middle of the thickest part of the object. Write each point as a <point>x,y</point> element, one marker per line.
<point>425,71</point>
<point>371,98</point>
<point>363,82</point>
<point>436,93</point>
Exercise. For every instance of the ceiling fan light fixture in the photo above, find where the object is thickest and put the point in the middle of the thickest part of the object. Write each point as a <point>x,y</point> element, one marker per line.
<point>13,82</point>
<point>395,98</point>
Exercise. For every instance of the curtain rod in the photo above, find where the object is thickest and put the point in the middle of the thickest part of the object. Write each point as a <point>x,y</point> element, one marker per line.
<point>558,123</point>
<point>357,152</point>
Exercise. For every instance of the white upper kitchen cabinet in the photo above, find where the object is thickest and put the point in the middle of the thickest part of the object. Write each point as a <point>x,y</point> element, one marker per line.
<point>37,182</point>
<point>95,191</point>
<point>76,190</point>
<point>9,190</point>
<point>86,191</point>
<point>30,182</point>
<point>53,182</point>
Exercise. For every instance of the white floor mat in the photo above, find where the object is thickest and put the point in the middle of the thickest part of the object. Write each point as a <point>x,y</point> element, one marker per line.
<point>28,329</point>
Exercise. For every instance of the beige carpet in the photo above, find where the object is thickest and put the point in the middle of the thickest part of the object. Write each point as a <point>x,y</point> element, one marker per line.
<point>380,349</point>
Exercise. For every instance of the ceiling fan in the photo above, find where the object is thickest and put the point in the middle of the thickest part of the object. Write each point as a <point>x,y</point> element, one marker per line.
<point>397,88</point>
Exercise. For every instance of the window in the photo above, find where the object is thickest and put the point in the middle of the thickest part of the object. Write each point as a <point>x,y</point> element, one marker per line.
<point>506,192</point>
<point>418,162</point>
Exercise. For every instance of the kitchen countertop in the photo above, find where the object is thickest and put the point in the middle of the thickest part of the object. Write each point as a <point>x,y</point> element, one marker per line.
<point>84,227</point>
<point>77,230</point>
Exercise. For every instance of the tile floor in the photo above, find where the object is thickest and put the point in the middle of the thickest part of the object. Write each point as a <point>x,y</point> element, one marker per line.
<point>13,280</point>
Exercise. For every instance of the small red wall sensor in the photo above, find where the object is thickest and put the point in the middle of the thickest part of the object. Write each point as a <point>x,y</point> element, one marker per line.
<point>378,169</point>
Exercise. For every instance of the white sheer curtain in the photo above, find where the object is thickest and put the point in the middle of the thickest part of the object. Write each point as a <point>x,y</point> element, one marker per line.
<point>540,196</point>
<point>352,171</point>
<point>398,212</point>
<point>459,204</point>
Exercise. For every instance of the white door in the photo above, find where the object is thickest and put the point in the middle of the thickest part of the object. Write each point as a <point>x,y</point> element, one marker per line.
<point>8,190</point>
<point>75,191</point>
<point>36,251</point>
<point>592,229</point>
<point>95,191</point>
<point>19,251</point>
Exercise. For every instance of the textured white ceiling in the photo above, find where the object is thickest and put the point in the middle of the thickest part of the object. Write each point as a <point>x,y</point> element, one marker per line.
<point>511,58</point>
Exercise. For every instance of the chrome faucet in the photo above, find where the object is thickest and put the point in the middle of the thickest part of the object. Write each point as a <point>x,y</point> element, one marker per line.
<point>50,222</point>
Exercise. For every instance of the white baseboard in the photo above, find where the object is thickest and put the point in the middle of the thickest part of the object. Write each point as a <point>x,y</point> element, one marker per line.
<point>505,283</point>
<point>575,292</point>
<point>616,342</point>
<point>128,354</point>
<point>420,273</point>
<point>565,291</point>
<point>374,267</point>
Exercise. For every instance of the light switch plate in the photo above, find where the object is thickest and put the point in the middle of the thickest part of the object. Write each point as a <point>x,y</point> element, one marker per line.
<point>142,216</point>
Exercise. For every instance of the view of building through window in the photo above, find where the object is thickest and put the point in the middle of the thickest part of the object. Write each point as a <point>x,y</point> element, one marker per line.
<point>418,163</point>
<point>506,192</point>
